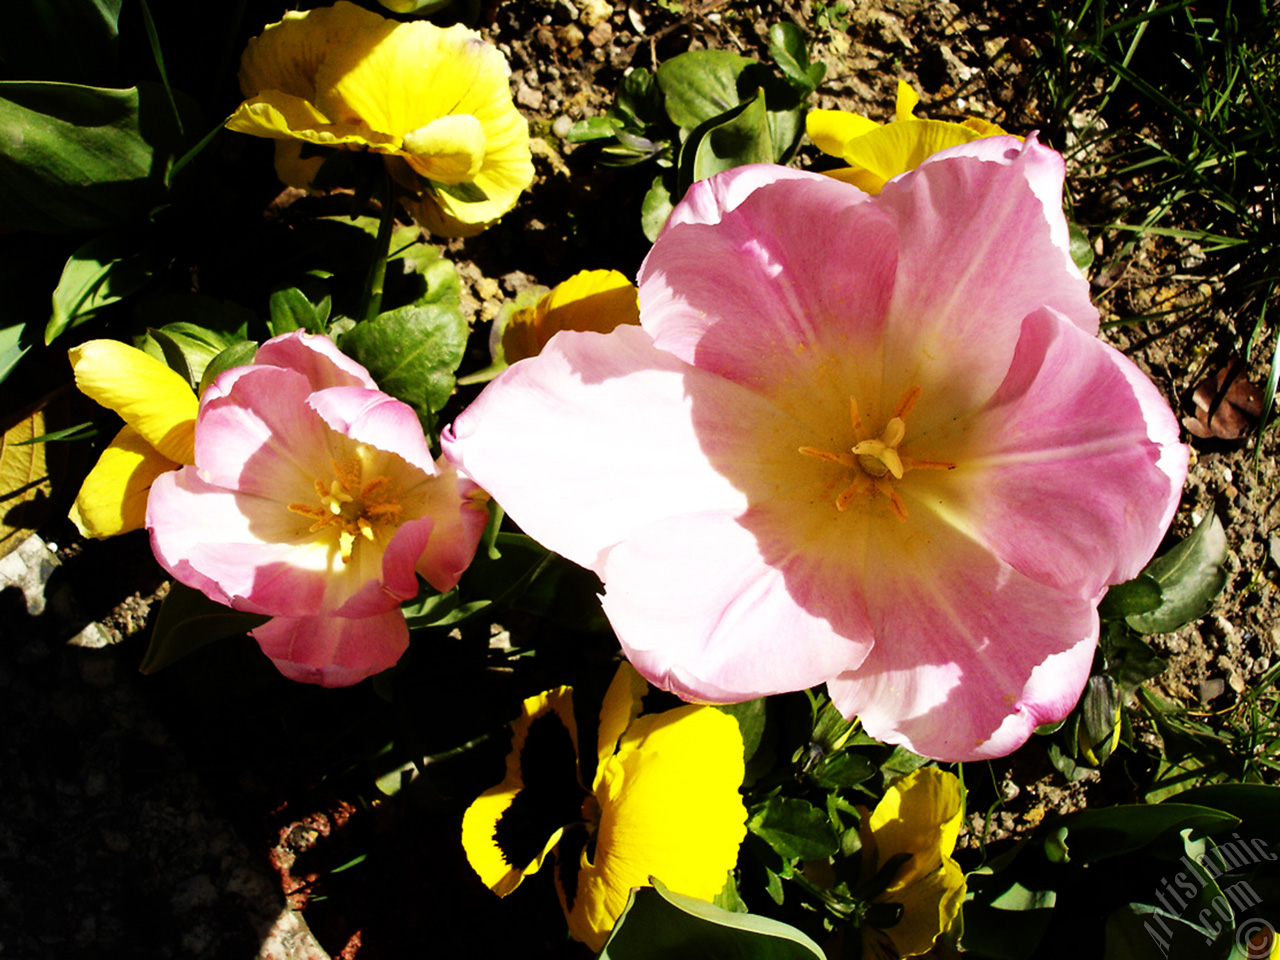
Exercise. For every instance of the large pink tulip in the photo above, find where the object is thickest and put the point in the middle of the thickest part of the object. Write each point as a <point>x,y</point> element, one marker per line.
<point>314,500</point>
<point>871,442</point>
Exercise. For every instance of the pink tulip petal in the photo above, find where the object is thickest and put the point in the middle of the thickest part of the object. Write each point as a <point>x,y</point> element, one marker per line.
<point>249,552</point>
<point>763,299</point>
<point>396,581</point>
<point>372,417</point>
<point>981,259</point>
<point>707,201</point>
<point>260,437</point>
<point>1076,441</point>
<point>334,651</point>
<point>702,612</point>
<point>958,643</point>
<point>316,358</point>
<point>591,439</point>
<point>461,514</point>
<point>1045,172</point>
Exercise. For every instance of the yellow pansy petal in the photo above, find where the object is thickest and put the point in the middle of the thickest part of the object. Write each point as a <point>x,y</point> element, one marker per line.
<point>920,815</point>
<point>830,130</point>
<point>287,55</point>
<point>149,396</point>
<point>448,150</point>
<point>509,830</point>
<point>596,300</point>
<point>648,827</point>
<point>292,168</point>
<point>864,180</point>
<point>622,704</point>
<point>113,498</point>
<point>907,100</point>
<point>280,115</point>
<point>898,147</point>
<point>984,128</point>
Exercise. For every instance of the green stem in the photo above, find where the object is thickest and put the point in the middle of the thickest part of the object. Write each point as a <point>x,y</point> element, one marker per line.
<point>372,302</point>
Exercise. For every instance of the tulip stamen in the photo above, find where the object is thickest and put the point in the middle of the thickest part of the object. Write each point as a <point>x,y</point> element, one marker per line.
<point>352,506</point>
<point>878,462</point>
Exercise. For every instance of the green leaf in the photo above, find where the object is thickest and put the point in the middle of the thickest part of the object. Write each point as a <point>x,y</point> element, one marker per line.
<point>1190,575</point>
<point>640,101</point>
<point>1101,833</point>
<point>843,769</point>
<point>236,355</point>
<point>700,85</point>
<point>189,620</point>
<point>412,353</point>
<point>592,128</point>
<point>291,310</point>
<point>81,159</point>
<point>98,274</point>
<point>1081,248</point>
<point>787,47</point>
<point>1140,595</point>
<point>795,828</point>
<point>68,40</point>
<point>656,208</point>
<point>189,348</point>
<point>734,139</point>
<point>1128,659</point>
<point>660,925</point>
<point>437,274</point>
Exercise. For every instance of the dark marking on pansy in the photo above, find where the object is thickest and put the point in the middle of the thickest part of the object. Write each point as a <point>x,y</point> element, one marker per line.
<point>569,862</point>
<point>550,796</point>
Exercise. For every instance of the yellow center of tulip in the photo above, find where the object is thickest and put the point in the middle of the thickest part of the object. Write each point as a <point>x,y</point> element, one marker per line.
<point>352,506</point>
<point>878,463</point>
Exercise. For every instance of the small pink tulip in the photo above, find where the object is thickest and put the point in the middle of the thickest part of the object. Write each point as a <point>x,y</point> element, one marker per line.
<point>314,500</point>
<point>871,442</point>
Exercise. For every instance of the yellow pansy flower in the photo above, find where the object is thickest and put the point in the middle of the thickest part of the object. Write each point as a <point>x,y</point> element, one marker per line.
<point>159,410</point>
<point>664,802</point>
<point>919,815</point>
<point>436,102</point>
<point>878,152</point>
<point>595,300</point>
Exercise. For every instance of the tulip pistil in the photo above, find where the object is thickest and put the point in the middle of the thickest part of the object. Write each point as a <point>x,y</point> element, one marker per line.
<point>878,462</point>
<point>351,505</point>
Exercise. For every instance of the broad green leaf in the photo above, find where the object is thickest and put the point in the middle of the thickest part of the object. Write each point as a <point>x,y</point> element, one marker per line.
<point>189,348</point>
<point>732,140</point>
<point>12,347</point>
<point>440,609</point>
<point>795,828</point>
<point>843,769</point>
<point>1127,658</point>
<point>73,41</point>
<point>291,310</point>
<point>700,85</point>
<point>787,47</point>
<point>1256,804</point>
<point>81,159</point>
<point>189,620</point>
<point>1140,595</point>
<point>236,355</point>
<point>1100,833</point>
<point>640,101</point>
<point>1081,248</point>
<point>412,353</point>
<point>656,208</point>
<point>1143,931</point>
<point>592,128</point>
<point>101,272</point>
<point>658,924</point>
<point>435,272</point>
<point>1190,575</point>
